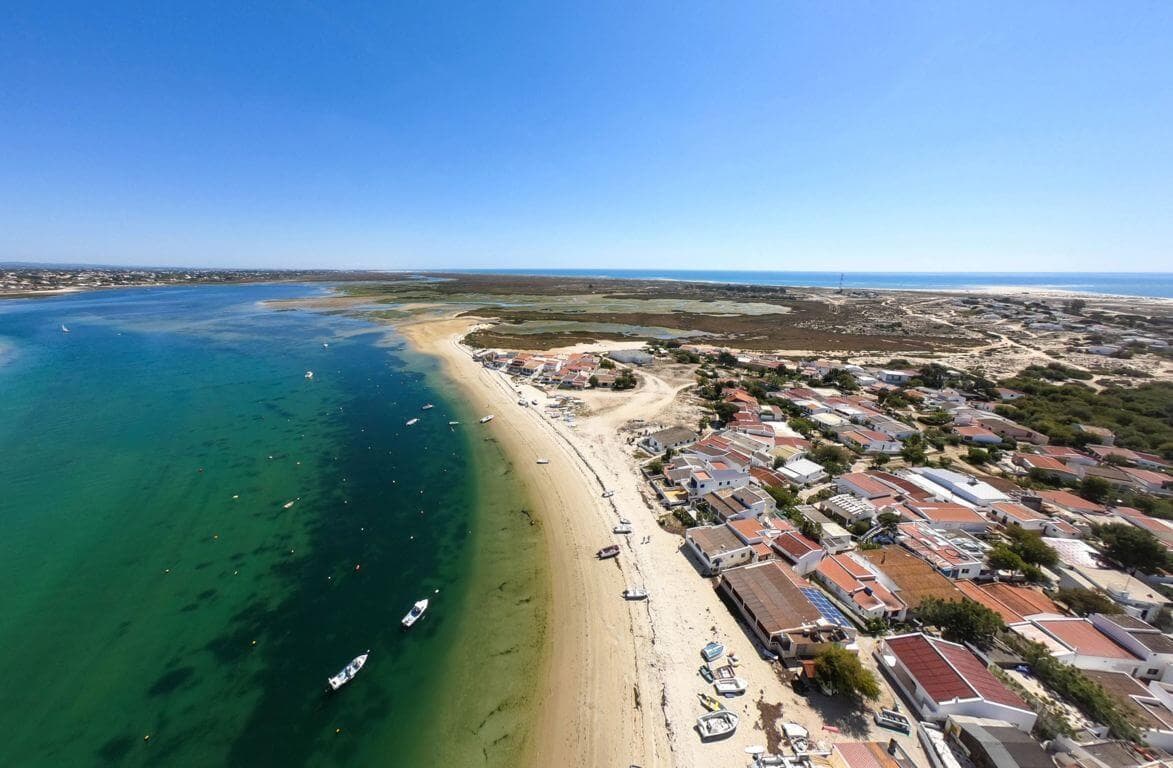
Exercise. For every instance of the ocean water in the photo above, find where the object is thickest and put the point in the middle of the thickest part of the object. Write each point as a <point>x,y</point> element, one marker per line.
<point>1151,284</point>
<point>155,584</point>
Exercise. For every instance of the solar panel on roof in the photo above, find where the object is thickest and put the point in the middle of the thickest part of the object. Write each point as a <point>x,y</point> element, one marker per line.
<point>825,607</point>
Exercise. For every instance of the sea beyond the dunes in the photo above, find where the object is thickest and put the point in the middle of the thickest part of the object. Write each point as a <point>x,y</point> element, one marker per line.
<point>164,604</point>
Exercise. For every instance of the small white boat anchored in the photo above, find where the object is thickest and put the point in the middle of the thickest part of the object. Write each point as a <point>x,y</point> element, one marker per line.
<point>734,687</point>
<point>309,374</point>
<point>427,407</point>
<point>288,504</point>
<point>635,593</point>
<point>543,461</point>
<point>64,329</point>
<point>348,672</point>
<point>416,613</point>
<point>411,422</point>
<point>716,725</point>
<point>486,419</point>
<point>621,528</point>
<point>453,423</point>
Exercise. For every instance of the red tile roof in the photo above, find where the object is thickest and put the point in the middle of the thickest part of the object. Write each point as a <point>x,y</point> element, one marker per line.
<point>1082,636</point>
<point>947,671</point>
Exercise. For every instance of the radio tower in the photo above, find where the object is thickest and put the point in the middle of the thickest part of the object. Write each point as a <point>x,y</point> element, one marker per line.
<point>840,283</point>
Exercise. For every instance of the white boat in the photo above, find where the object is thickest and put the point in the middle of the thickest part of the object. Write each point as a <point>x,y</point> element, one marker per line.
<point>543,461</point>
<point>635,593</point>
<point>453,423</point>
<point>716,725</point>
<point>734,687</point>
<point>288,504</point>
<point>309,374</point>
<point>410,422</point>
<point>521,401</point>
<point>427,407</point>
<point>64,329</point>
<point>621,528</point>
<point>416,612</point>
<point>608,494</point>
<point>486,419</point>
<point>348,672</point>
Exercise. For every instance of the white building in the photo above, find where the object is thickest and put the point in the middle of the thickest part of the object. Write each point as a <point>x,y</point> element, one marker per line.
<point>942,679</point>
<point>802,472</point>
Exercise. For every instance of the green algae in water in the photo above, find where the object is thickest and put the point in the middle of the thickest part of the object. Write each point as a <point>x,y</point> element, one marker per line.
<point>141,598</point>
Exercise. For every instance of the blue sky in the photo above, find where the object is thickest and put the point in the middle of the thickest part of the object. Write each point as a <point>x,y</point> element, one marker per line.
<point>840,136</point>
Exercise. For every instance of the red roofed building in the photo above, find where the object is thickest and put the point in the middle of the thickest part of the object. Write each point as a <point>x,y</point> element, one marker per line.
<point>859,588</point>
<point>942,678</point>
<point>977,435</point>
<point>1067,501</point>
<point>799,551</point>
<point>1081,644</point>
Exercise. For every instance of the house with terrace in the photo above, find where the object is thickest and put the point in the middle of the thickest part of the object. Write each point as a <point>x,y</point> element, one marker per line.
<point>867,440</point>
<point>1009,513</point>
<point>717,548</point>
<point>858,587</point>
<point>954,554</point>
<point>1141,639</point>
<point>789,616</point>
<point>747,502</point>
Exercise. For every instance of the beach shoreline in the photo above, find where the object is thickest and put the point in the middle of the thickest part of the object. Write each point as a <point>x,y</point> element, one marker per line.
<point>585,660</point>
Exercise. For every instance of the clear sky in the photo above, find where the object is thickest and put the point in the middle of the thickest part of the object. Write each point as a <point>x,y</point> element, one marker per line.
<point>1027,136</point>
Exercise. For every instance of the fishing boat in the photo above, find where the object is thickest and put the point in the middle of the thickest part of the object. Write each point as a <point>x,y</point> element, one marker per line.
<point>621,528</point>
<point>416,613</point>
<point>635,593</point>
<point>733,687</point>
<point>348,672</point>
<point>427,407</point>
<point>410,422</point>
<point>288,504</point>
<point>309,374</point>
<point>716,725</point>
<point>543,461</point>
<point>486,419</point>
<point>453,423</point>
<point>710,703</point>
<point>608,494</point>
<point>608,551</point>
<point>712,651</point>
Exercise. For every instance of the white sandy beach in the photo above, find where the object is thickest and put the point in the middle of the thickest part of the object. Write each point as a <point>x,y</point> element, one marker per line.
<point>621,684</point>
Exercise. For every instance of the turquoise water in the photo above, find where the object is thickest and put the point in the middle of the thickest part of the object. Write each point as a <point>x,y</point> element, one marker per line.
<point>1153,284</point>
<point>154,583</point>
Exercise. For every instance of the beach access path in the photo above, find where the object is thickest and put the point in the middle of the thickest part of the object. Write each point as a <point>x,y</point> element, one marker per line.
<point>620,684</point>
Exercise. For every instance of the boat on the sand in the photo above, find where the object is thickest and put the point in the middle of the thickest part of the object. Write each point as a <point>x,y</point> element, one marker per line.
<point>731,687</point>
<point>635,593</point>
<point>611,550</point>
<point>716,725</point>
<point>487,419</point>
<point>710,703</point>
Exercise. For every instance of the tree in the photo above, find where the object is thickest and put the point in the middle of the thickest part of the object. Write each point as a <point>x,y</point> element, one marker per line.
<point>605,363</point>
<point>977,456</point>
<point>1029,545</point>
<point>725,411</point>
<point>1002,558</point>
<point>961,621</point>
<point>1094,489</point>
<point>840,670</point>
<point>1086,602</point>
<point>1132,547</point>
<point>880,459</point>
<point>804,427</point>
<point>913,453</point>
<point>727,359</point>
<point>655,466</point>
<point>593,380</point>
<point>888,522</point>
